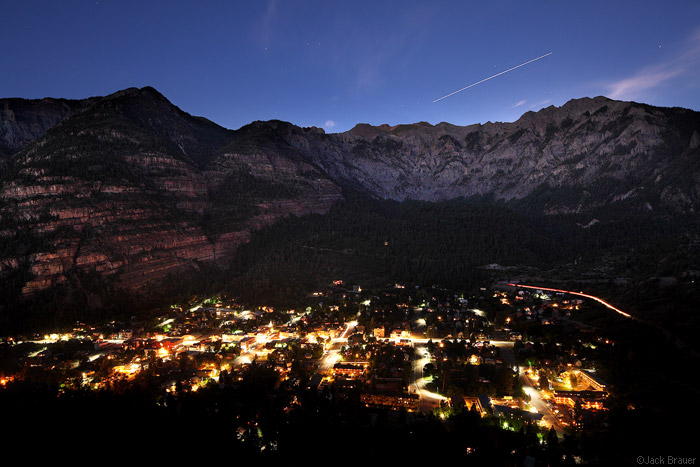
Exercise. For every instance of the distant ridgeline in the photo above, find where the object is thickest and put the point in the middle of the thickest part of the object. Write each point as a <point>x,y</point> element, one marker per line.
<point>107,197</point>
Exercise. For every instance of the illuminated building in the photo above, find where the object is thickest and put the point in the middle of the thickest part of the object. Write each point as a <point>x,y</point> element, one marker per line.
<point>592,380</point>
<point>350,370</point>
<point>396,401</point>
<point>589,400</point>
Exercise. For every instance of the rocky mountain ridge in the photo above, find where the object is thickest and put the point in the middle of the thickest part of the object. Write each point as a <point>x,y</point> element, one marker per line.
<point>24,120</point>
<point>596,151</point>
<point>131,188</point>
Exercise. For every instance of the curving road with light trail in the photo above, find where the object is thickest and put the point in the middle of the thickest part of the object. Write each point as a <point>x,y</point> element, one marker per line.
<point>580,294</point>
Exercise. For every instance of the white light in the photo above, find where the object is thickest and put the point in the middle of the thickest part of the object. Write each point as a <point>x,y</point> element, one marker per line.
<point>491,77</point>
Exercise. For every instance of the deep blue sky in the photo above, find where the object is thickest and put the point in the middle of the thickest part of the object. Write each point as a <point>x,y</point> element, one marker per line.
<point>333,64</point>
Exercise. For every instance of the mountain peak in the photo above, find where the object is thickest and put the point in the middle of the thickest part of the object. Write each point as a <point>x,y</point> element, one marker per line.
<point>165,188</point>
<point>368,131</point>
<point>146,91</point>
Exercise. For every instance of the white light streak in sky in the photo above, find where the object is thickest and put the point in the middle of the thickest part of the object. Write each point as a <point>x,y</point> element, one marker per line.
<point>490,77</point>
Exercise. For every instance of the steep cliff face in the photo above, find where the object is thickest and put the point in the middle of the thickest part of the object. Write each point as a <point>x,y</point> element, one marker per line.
<point>132,188</point>
<point>23,120</point>
<point>591,152</point>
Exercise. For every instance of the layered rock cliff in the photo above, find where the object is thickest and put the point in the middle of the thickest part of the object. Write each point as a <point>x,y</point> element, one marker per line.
<point>131,188</point>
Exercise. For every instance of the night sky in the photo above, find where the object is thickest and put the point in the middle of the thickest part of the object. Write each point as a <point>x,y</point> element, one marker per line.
<point>334,64</point>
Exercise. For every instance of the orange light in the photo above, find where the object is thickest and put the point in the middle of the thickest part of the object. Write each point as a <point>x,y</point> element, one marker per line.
<point>581,294</point>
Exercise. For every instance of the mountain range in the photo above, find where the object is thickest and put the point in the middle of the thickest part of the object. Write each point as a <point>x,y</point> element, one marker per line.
<point>128,188</point>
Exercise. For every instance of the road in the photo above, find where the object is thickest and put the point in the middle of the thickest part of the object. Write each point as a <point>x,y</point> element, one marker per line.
<point>680,344</point>
<point>424,340</point>
<point>580,294</point>
<point>531,390</point>
<point>428,400</point>
<point>330,358</point>
<point>539,403</point>
<point>332,353</point>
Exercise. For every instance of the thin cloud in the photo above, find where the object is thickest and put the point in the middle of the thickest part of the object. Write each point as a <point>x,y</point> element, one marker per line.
<point>267,21</point>
<point>650,78</point>
<point>329,124</point>
<point>369,62</point>
<point>541,103</point>
<point>518,104</point>
<point>656,76</point>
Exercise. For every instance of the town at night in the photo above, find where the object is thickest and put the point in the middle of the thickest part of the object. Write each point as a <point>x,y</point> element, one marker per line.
<point>310,233</point>
<point>517,372</point>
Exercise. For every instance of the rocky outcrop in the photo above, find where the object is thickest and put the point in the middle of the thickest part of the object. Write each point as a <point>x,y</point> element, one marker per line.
<point>598,150</point>
<point>131,188</point>
<point>24,120</point>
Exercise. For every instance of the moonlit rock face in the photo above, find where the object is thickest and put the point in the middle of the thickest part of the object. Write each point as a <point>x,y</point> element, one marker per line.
<point>132,188</point>
<point>602,151</point>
